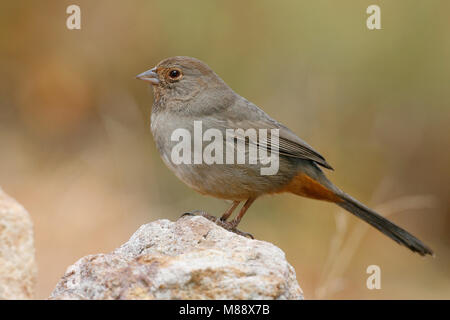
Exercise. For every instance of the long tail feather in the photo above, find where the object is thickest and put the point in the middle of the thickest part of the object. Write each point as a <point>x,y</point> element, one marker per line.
<point>393,231</point>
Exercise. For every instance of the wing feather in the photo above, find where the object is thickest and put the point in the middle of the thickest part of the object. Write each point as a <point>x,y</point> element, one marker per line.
<point>246,115</point>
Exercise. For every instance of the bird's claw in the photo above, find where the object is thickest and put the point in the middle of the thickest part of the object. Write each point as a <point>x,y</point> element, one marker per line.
<point>191,214</point>
<point>229,226</point>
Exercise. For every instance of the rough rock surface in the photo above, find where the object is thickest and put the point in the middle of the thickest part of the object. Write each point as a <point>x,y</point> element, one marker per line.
<point>17,262</point>
<point>191,258</point>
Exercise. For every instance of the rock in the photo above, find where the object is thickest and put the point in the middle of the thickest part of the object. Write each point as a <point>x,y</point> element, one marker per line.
<point>17,262</point>
<point>191,258</point>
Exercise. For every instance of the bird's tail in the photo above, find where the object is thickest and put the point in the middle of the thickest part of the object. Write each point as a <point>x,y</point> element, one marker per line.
<point>393,231</point>
<point>315,185</point>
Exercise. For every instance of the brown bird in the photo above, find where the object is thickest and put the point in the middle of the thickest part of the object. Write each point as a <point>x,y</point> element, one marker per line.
<point>186,90</point>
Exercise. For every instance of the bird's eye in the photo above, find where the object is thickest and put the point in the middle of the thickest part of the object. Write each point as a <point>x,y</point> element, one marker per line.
<point>175,74</point>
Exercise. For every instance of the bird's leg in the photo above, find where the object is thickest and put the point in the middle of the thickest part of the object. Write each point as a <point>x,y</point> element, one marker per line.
<point>223,218</point>
<point>230,210</point>
<point>227,225</point>
<point>244,209</point>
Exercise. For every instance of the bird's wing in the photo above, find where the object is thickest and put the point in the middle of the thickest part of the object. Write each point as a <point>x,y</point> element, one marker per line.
<point>246,115</point>
<point>291,145</point>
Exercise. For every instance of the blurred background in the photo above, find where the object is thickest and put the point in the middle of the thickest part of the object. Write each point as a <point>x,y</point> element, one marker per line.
<point>77,152</point>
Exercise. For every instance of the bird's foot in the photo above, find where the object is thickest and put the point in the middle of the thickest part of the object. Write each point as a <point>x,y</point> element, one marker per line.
<point>227,225</point>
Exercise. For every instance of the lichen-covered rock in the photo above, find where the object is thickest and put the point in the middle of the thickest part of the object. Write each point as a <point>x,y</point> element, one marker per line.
<point>191,258</point>
<point>17,262</point>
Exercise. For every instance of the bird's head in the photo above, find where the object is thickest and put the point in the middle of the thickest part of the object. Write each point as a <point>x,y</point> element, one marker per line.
<point>181,79</point>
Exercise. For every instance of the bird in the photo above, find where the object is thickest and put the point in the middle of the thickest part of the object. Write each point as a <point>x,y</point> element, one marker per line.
<point>187,91</point>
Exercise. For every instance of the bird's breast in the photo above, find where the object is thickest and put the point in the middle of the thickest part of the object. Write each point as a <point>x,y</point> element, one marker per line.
<point>200,160</point>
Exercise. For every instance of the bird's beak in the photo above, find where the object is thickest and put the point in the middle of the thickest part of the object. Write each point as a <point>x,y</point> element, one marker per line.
<point>149,76</point>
